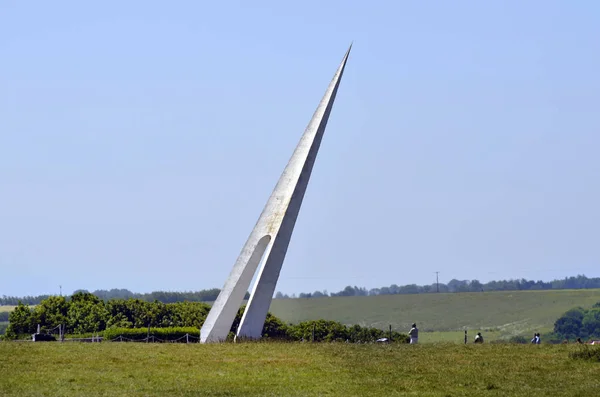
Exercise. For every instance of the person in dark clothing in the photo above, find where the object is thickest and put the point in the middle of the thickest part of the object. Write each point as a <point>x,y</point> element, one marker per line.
<point>414,334</point>
<point>478,338</point>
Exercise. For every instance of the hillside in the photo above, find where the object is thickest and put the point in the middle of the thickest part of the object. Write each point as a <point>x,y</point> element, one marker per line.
<point>4,310</point>
<point>507,313</point>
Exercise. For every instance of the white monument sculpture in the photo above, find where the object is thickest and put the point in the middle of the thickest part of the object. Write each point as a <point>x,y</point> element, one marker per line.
<point>271,235</point>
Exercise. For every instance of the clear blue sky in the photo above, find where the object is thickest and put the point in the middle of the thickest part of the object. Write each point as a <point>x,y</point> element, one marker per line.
<point>139,141</point>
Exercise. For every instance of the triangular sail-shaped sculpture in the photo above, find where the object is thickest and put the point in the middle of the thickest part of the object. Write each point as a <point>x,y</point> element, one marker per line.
<point>271,235</point>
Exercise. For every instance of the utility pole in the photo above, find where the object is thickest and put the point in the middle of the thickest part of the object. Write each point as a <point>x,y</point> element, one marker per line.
<point>437,282</point>
<point>60,288</point>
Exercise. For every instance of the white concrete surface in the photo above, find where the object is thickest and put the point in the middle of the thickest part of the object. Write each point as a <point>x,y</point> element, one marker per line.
<point>271,235</point>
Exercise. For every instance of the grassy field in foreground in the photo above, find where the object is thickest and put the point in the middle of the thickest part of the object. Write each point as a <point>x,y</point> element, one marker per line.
<point>263,369</point>
<point>504,313</point>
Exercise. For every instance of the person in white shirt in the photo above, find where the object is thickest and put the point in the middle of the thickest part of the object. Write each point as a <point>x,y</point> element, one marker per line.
<point>414,334</point>
<point>479,338</point>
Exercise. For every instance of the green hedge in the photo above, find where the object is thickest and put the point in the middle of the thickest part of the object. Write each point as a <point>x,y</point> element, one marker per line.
<point>157,334</point>
<point>324,331</point>
<point>329,331</point>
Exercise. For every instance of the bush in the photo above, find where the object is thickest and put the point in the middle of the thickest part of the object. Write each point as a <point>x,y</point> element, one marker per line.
<point>329,331</point>
<point>274,328</point>
<point>159,334</point>
<point>578,322</point>
<point>324,331</point>
<point>358,334</point>
<point>21,322</point>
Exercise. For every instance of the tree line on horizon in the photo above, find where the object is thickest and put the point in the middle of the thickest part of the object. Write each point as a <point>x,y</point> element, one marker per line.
<point>578,282</point>
<point>210,295</point>
<point>205,295</point>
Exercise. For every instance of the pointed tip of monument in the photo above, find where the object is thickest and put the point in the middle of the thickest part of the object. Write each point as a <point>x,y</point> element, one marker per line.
<point>345,59</point>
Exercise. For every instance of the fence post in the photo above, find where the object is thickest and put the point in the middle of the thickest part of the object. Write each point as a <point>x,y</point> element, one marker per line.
<point>390,333</point>
<point>187,338</point>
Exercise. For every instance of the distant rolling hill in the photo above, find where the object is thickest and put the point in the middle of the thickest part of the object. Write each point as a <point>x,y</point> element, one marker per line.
<point>507,313</point>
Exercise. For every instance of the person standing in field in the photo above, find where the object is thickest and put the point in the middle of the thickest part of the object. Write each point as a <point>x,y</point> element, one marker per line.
<point>414,334</point>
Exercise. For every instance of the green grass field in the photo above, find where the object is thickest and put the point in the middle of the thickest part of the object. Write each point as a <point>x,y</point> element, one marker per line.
<point>272,369</point>
<point>7,308</point>
<point>501,314</point>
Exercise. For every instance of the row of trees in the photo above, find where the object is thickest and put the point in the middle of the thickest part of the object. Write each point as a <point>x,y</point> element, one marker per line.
<point>578,323</point>
<point>206,295</point>
<point>579,282</point>
<point>210,295</point>
<point>85,313</point>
